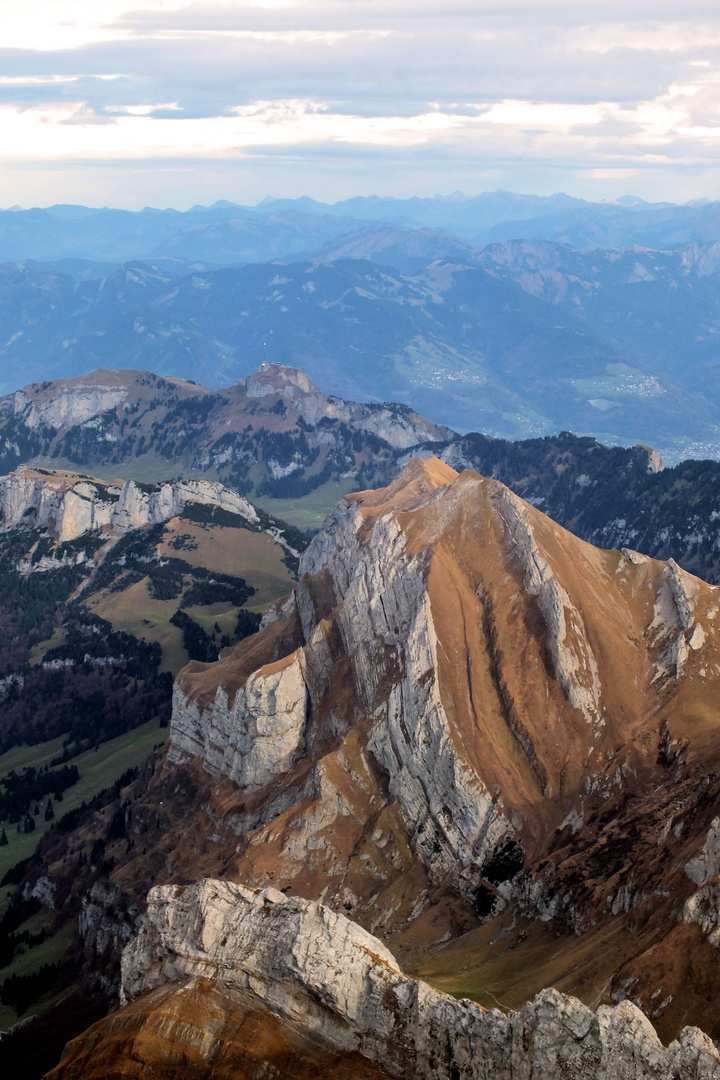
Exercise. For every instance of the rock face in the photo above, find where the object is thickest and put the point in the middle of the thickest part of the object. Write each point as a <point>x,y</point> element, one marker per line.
<point>258,737</point>
<point>67,506</point>
<point>298,961</point>
<point>459,695</point>
<point>423,595</point>
<point>75,404</point>
<point>400,427</point>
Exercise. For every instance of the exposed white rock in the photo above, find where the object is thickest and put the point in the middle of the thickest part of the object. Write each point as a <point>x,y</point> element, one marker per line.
<point>703,909</point>
<point>75,404</point>
<point>381,607</point>
<point>386,623</point>
<point>67,507</point>
<point>302,961</point>
<point>673,624</point>
<point>253,739</point>
<point>684,591</point>
<point>706,865</point>
<point>573,660</point>
<point>137,507</point>
<point>44,890</point>
<point>399,427</point>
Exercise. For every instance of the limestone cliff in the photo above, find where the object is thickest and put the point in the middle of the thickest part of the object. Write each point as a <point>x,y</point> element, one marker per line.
<point>291,963</point>
<point>399,427</point>
<point>423,592</point>
<point>66,506</point>
<point>75,402</point>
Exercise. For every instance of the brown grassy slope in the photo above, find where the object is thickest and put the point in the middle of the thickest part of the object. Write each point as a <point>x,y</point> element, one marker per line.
<point>198,1030</point>
<point>513,725</point>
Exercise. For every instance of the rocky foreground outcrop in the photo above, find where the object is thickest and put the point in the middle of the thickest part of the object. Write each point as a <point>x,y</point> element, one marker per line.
<point>224,980</point>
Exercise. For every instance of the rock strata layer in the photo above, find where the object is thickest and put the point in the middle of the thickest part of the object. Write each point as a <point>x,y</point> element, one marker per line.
<point>68,506</point>
<point>460,697</point>
<point>239,948</point>
<point>494,663</point>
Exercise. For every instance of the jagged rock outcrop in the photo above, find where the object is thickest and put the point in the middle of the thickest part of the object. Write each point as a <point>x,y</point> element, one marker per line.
<point>706,865</point>
<point>297,961</point>
<point>703,907</point>
<point>398,426</point>
<point>75,402</point>
<point>67,506</point>
<point>255,739</point>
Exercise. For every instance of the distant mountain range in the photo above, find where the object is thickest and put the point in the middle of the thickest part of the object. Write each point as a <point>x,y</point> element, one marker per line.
<point>511,314</point>
<point>516,340</point>
<point>225,233</point>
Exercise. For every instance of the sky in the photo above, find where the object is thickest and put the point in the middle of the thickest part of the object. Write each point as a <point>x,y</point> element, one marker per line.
<point>169,103</point>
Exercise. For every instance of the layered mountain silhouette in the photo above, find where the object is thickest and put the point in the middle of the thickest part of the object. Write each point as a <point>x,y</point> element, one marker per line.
<point>275,434</point>
<point>274,431</point>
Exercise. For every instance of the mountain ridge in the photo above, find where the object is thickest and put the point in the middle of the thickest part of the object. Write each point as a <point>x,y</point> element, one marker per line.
<point>296,959</point>
<point>463,721</point>
<point>262,430</point>
<point>259,439</point>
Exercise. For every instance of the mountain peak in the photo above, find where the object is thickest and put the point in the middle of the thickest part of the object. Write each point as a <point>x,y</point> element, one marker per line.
<point>467,693</point>
<point>277,378</point>
<point>417,484</point>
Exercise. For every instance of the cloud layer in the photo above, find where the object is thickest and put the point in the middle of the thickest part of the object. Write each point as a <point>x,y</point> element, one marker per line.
<point>168,102</point>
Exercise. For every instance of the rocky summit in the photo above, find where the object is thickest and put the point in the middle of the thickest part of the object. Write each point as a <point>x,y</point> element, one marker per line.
<point>505,679</point>
<point>492,746</point>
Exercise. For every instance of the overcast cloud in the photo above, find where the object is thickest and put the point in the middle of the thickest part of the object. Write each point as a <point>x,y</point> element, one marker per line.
<point>170,103</point>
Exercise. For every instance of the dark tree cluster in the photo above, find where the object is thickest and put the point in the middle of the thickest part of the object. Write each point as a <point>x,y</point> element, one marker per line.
<point>248,623</point>
<point>96,685</point>
<point>198,645</point>
<point>21,443</point>
<point>217,589</point>
<point>19,791</point>
<point>21,991</point>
